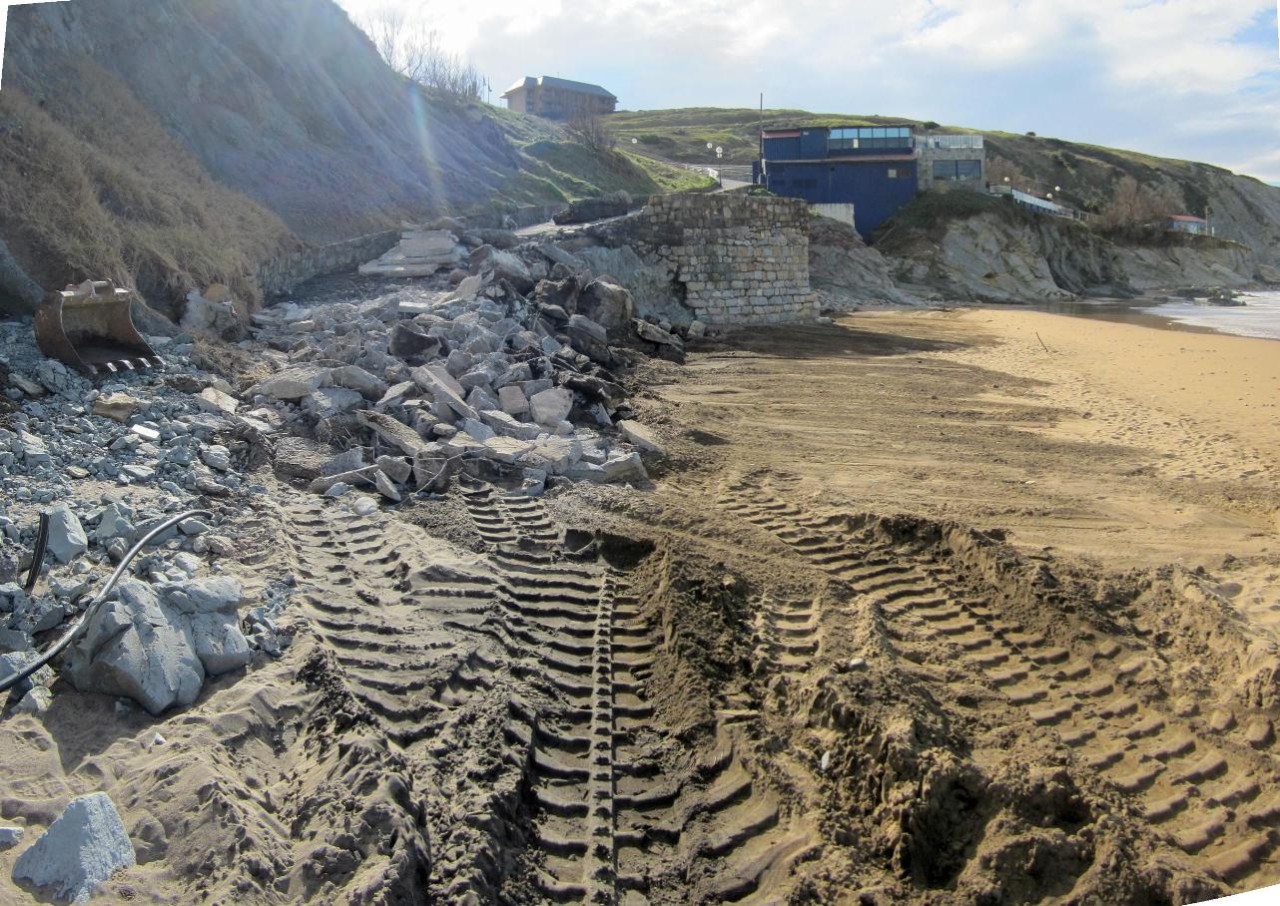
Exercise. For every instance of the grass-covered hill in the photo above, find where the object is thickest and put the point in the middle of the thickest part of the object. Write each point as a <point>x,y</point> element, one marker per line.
<point>179,143</point>
<point>1242,208</point>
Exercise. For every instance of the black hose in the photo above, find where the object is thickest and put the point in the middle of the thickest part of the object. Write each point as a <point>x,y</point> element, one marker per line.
<point>69,636</point>
<point>37,558</point>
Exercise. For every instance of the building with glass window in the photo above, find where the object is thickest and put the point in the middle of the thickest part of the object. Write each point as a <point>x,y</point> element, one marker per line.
<point>874,168</point>
<point>877,169</point>
<point>951,161</point>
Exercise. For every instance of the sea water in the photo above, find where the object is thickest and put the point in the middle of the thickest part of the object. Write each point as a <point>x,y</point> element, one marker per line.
<point>1258,317</point>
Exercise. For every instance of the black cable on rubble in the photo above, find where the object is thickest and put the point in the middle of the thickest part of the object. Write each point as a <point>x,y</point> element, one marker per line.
<point>69,636</point>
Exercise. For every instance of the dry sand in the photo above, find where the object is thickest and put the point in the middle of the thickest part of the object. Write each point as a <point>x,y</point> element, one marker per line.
<point>896,624</point>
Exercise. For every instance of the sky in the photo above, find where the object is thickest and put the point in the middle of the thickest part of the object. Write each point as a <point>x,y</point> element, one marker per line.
<point>1191,79</point>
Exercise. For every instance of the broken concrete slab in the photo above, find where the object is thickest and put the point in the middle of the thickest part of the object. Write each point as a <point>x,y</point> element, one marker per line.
<point>395,433</point>
<point>293,383</point>
<point>550,407</point>
<point>83,848</point>
<point>330,401</point>
<point>353,377</point>
<point>641,437</point>
<point>386,487</point>
<point>443,390</point>
<point>504,424</point>
<point>211,399</point>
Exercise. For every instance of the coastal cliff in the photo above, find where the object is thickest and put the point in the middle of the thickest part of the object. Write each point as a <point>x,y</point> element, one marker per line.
<point>971,247</point>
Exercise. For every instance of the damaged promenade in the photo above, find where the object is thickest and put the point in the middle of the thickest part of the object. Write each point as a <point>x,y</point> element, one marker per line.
<point>520,582</point>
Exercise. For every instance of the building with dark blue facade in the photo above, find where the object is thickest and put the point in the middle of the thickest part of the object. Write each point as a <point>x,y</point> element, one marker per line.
<point>874,168</point>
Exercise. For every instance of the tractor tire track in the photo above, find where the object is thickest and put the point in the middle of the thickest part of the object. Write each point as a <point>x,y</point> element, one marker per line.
<point>1193,787</point>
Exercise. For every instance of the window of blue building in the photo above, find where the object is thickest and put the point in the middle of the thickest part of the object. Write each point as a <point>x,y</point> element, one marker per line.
<point>955,170</point>
<point>864,138</point>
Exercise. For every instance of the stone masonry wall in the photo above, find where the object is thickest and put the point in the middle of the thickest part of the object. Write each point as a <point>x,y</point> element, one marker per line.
<point>741,260</point>
<point>281,275</point>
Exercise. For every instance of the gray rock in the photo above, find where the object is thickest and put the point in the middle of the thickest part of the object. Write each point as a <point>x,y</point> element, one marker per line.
<point>396,468</point>
<point>67,539</point>
<point>395,433</point>
<point>606,303</point>
<point>330,401</point>
<point>11,836</point>
<point>216,457</point>
<point>550,407</point>
<point>219,643</point>
<point>348,461</point>
<point>213,400</point>
<point>386,487</point>
<point>83,848</point>
<point>410,340</point>
<point>353,377</point>
<point>293,383</point>
<point>445,395</point>
<point>512,400</point>
<point>212,595</point>
<point>113,524</point>
<point>502,423</point>
<point>478,429</point>
<point>138,648</point>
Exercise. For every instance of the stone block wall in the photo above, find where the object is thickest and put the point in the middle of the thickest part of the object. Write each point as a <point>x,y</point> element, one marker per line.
<point>282,275</point>
<point>740,260</point>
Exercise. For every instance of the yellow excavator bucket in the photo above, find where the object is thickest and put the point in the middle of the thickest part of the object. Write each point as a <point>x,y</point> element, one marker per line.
<point>89,327</point>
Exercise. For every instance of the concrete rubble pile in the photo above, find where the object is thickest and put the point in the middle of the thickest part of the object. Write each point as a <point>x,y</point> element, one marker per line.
<point>108,463</point>
<point>509,376</point>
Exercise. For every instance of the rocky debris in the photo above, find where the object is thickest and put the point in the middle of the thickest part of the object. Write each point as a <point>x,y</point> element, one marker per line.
<point>587,210</point>
<point>1225,298</point>
<point>486,378</point>
<point>420,253</point>
<point>156,644</point>
<point>83,848</point>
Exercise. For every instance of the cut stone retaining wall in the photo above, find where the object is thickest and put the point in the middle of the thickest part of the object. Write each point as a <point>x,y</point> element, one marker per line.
<point>741,260</point>
<point>282,275</point>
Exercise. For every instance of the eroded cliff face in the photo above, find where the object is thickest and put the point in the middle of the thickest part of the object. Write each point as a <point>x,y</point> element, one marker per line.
<point>1005,256</point>
<point>172,144</point>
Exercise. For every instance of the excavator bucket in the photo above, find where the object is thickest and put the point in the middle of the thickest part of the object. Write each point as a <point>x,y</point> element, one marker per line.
<point>89,328</point>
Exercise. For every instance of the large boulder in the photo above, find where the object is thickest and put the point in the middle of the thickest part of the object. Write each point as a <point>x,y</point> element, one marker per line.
<point>83,848</point>
<point>608,304</point>
<point>157,648</point>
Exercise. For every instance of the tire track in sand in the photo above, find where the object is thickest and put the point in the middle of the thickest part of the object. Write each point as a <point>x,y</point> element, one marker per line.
<point>613,822</point>
<point>1204,794</point>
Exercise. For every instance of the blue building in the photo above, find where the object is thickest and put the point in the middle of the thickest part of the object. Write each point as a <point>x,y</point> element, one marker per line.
<point>874,168</point>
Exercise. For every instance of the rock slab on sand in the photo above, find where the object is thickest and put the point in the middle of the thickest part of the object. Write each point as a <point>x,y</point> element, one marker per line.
<point>79,851</point>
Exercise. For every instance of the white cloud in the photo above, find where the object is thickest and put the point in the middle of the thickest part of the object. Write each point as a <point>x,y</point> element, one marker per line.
<point>1158,75</point>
